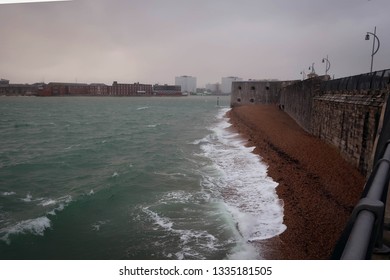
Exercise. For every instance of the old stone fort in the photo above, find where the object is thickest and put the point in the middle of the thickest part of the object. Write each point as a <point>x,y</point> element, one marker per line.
<point>347,112</point>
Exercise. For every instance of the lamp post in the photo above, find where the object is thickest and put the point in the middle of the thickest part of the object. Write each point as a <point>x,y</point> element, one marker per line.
<point>303,74</point>
<point>312,68</point>
<point>373,46</point>
<point>327,65</point>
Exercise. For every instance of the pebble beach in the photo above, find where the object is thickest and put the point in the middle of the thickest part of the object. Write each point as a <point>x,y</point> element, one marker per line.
<point>318,187</point>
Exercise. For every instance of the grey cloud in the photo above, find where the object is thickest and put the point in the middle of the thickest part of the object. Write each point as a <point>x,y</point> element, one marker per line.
<point>154,41</point>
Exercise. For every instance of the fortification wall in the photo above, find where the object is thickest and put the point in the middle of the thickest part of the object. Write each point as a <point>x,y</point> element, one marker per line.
<point>297,100</point>
<point>344,112</point>
<point>256,92</point>
<point>350,122</point>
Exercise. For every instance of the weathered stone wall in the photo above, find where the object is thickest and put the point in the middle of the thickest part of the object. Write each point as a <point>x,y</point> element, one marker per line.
<point>349,122</point>
<point>297,100</point>
<point>347,118</point>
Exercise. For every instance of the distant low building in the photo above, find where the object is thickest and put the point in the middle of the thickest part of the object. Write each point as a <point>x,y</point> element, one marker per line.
<point>213,88</point>
<point>65,89</point>
<point>135,89</point>
<point>167,90</point>
<point>98,89</point>
<point>4,82</point>
<point>18,89</point>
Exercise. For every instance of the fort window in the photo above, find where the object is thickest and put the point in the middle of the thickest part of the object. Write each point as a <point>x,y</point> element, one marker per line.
<point>267,87</point>
<point>238,99</point>
<point>253,88</point>
<point>239,88</point>
<point>252,100</point>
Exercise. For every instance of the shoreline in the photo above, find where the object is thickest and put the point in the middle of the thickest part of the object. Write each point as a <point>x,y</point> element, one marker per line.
<point>313,179</point>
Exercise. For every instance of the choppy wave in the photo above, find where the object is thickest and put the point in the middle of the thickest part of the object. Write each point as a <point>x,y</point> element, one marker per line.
<point>33,226</point>
<point>28,198</point>
<point>152,125</point>
<point>8,193</point>
<point>61,203</point>
<point>187,207</point>
<point>143,108</point>
<point>191,241</point>
<point>96,226</point>
<point>48,202</point>
<point>38,225</point>
<point>173,175</point>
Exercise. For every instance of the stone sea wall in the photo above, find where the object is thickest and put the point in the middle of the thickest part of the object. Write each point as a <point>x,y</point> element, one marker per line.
<point>344,112</point>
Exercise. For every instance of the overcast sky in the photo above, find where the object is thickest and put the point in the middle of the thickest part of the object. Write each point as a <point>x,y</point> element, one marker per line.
<point>152,41</point>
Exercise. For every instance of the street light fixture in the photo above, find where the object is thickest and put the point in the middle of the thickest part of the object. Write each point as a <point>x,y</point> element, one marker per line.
<point>373,45</point>
<point>327,65</point>
<point>303,74</point>
<point>312,68</point>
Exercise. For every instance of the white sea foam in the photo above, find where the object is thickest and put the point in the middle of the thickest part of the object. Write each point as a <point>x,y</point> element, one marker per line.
<point>71,146</point>
<point>160,221</point>
<point>62,202</point>
<point>28,198</point>
<point>34,226</point>
<point>190,239</point>
<point>174,175</point>
<point>142,108</point>
<point>48,202</point>
<point>249,194</point>
<point>8,193</point>
<point>96,226</point>
<point>115,174</point>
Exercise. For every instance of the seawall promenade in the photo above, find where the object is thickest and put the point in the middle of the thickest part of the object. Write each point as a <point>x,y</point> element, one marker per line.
<point>318,187</point>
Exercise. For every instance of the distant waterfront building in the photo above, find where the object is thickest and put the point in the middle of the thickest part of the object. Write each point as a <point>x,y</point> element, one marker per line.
<point>226,85</point>
<point>135,89</point>
<point>63,89</point>
<point>167,90</point>
<point>4,82</point>
<point>213,88</point>
<point>18,89</point>
<point>98,89</point>
<point>187,83</point>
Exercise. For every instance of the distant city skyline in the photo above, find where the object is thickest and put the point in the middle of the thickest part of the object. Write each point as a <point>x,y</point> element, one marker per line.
<point>154,41</point>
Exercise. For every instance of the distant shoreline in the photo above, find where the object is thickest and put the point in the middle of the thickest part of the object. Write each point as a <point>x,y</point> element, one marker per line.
<point>194,95</point>
<point>318,187</point>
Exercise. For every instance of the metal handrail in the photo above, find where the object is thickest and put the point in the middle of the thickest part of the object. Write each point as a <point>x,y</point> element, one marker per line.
<point>364,230</point>
<point>367,81</point>
<point>367,216</point>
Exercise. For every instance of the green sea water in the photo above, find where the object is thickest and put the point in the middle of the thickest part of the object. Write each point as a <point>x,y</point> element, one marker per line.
<point>130,178</point>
